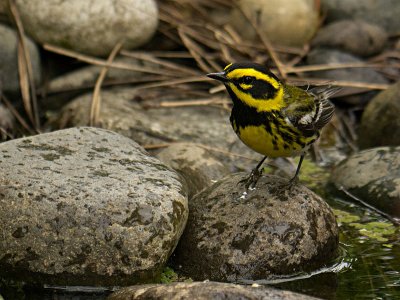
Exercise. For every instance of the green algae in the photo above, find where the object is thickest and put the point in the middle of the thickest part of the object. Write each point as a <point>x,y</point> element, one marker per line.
<point>344,217</point>
<point>168,275</point>
<point>379,231</point>
<point>375,230</point>
<point>314,176</point>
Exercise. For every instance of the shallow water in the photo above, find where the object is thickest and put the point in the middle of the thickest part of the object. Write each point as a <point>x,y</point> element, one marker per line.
<point>368,266</point>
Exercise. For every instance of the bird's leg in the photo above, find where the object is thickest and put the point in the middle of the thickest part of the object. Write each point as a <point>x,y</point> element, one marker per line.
<point>251,181</point>
<point>295,178</point>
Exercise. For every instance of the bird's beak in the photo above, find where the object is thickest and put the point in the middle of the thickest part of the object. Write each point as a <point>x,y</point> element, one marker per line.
<point>220,76</point>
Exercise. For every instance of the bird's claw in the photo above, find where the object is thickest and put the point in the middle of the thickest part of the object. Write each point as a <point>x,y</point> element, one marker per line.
<point>290,184</point>
<point>251,181</point>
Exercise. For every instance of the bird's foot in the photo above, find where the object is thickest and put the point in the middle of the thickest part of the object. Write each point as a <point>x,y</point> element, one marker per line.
<point>251,181</point>
<point>291,183</point>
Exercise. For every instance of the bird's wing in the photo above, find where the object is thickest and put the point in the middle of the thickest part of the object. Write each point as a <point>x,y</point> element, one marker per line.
<point>309,111</point>
<point>324,108</point>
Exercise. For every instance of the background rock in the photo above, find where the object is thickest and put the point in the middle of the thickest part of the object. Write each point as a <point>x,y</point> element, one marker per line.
<point>354,36</point>
<point>89,27</point>
<point>86,206</point>
<point>374,176</point>
<point>327,56</point>
<point>270,231</point>
<point>289,23</point>
<point>380,124</point>
<point>89,74</point>
<point>153,126</point>
<point>3,7</point>
<point>384,13</point>
<point>197,165</point>
<point>9,59</point>
<point>68,86</point>
<point>204,291</point>
<point>7,121</point>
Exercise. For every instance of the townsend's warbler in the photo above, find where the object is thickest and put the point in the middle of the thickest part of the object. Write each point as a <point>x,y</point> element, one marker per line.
<point>272,118</point>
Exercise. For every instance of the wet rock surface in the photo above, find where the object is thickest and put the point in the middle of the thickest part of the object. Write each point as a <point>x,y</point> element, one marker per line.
<point>9,59</point>
<point>86,206</point>
<point>380,124</point>
<point>285,23</point>
<point>87,26</point>
<point>121,113</point>
<point>269,232</point>
<point>197,165</point>
<point>354,36</point>
<point>373,175</point>
<point>204,291</point>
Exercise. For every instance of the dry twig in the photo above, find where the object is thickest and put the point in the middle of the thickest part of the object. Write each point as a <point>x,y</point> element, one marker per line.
<point>17,116</point>
<point>27,82</point>
<point>100,62</point>
<point>96,99</point>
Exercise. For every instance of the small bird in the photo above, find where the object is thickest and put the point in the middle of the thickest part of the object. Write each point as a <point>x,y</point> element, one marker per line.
<point>273,118</point>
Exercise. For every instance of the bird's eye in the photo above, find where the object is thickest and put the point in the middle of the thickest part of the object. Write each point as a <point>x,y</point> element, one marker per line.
<point>247,79</point>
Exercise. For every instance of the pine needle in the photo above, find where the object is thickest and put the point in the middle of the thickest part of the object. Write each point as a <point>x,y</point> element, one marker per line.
<point>96,99</point>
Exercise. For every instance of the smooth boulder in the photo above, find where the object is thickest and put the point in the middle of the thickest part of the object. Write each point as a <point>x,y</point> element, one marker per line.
<point>380,123</point>
<point>86,206</point>
<point>327,56</point>
<point>322,56</point>
<point>354,36</point>
<point>197,165</point>
<point>384,13</point>
<point>372,175</point>
<point>287,23</point>
<point>238,236</point>
<point>204,291</point>
<point>9,74</point>
<point>89,27</point>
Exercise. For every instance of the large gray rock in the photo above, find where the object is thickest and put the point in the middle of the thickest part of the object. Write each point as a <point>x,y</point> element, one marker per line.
<point>384,13</point>
<point>86,206</point>
<point>204,291</point>
<point>373,176</point>
<point>123,112</point>
<point>380,123</point>
<point>235,236</point>
<point>197,165</point>
<point>92,27</point>
<point>9,59</point>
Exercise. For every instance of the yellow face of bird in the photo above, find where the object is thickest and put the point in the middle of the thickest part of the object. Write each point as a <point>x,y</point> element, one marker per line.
<point>253,85</point>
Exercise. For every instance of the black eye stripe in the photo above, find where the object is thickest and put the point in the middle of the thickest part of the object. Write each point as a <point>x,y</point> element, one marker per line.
<point>263,90</point>
<point>259,89</point>
<point>246,79</point>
